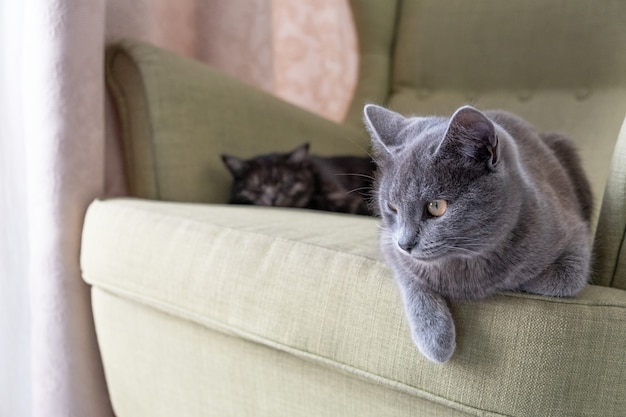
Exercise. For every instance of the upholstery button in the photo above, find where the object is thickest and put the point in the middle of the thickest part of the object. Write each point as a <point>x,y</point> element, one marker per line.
<point>471,96</point>
<point>582,93</point>
<point>423,93</point>
<point>524,95</point>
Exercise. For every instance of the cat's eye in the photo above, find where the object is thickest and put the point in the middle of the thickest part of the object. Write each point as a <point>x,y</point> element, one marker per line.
<point>392,207</point>
<point>437,208</point>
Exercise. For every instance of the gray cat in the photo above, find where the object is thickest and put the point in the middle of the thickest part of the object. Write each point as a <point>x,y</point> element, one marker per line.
<point>473,205</point>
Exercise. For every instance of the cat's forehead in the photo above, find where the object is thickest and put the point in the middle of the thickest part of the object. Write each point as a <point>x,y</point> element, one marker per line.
<point>416,167</point>
<point>427,123</point>
<point>423,136</point>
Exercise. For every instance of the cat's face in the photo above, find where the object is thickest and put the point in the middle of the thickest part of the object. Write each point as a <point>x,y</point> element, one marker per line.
<point>281,180</point>
<point>439,185</point>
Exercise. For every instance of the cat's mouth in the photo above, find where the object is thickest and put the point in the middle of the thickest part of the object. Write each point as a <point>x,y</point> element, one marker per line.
<point>433,255</point>
<point>420,255</point>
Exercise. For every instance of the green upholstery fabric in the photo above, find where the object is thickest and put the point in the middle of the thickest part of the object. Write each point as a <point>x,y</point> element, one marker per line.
<point>611,234</point>
<point>210,309</point>
<point>178,116</point>
<point>177,367</point>
<point>375,24</point>
<point>493,45</point>
<point>220,310</point>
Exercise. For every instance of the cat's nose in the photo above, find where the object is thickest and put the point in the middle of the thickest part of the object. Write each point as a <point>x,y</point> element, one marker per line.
<point>407,245</point>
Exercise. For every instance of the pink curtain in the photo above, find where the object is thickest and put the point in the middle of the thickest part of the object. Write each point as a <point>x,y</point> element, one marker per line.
<point>314,55</point>
<point>59,150</point>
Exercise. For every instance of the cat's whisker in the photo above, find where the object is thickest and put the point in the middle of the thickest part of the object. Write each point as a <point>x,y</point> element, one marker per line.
<point>358,145</point>
<point>465,241</point>
<point>471,245</point>
<point>359,189</point>
<point>369,177</point>
<point>460,249</point>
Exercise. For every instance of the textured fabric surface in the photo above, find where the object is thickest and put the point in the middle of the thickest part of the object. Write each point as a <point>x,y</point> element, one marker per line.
<point>375,25</point>
<point>315,55</point>
<point>179,116</point>
<point>304,52</point>
<point>162,365</point>
<point>235,37</point>
<point>490,45</point>
<point>310,286</point>
<point>611,233</point>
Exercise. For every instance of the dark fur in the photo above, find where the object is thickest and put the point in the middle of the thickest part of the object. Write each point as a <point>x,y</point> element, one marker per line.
<point>518,214</point>
<point>298,179</point>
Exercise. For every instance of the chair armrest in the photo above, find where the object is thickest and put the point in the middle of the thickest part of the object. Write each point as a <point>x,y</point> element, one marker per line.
<point>609,245</point>
<point>177,116</point>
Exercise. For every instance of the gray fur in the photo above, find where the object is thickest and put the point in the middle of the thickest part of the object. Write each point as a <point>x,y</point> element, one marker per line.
<point>518,214</point>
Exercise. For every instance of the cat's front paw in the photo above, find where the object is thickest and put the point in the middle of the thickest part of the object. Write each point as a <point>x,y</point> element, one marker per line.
<point>436,338</point>
<point>432,327</point>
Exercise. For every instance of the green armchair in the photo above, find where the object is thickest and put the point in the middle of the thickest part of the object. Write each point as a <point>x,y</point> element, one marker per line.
<point>207,309</point>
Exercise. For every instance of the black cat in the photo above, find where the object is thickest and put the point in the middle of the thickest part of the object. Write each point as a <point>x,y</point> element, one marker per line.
<point>298,179</point>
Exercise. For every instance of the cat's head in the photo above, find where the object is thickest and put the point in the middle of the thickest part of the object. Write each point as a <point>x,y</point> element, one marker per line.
<point>279,179</point>
<point>440,183</point>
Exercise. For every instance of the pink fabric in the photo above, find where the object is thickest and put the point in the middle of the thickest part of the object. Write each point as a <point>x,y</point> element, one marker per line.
<point>315,55</point>
<point>59,149</point>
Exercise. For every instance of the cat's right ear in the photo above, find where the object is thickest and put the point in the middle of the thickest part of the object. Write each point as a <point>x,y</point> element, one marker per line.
<point>235,165</point>
<point>384,126</point>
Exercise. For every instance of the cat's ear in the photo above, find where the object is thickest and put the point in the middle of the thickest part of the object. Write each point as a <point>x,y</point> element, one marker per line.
<point>299,154</point>
<point>384,126</point>
<point>235,165</point>
<point>473,135</point>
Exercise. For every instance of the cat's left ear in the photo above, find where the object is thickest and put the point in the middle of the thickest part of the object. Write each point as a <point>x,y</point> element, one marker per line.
<point>384,127</point>
<point>235,165</point>
<point>299,154</point>
<point>472,134</point>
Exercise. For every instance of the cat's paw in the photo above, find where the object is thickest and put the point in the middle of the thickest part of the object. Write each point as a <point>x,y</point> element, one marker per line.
<point>436,339</point>
<point>430,320</point>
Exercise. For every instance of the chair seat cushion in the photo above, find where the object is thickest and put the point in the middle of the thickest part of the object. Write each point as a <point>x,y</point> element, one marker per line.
<point>305,290</point>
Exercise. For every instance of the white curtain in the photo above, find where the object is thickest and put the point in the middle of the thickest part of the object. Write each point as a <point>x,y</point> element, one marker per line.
<point>14,303</point>
<point>52,167</point>
<point>59,151</point>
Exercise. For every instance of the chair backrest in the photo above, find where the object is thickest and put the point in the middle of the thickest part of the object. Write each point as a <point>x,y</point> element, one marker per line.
<point>561,64</point>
